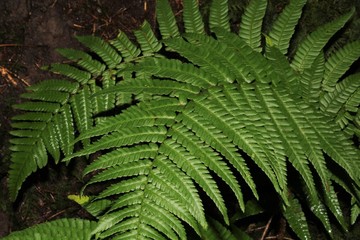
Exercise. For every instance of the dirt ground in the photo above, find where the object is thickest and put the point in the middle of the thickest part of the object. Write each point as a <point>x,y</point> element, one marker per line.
<point>30,31</point>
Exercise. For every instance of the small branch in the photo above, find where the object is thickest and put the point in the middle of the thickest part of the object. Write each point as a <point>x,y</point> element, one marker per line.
<point>266,229</point>
<point>10,45</point>
<point>56,214</point>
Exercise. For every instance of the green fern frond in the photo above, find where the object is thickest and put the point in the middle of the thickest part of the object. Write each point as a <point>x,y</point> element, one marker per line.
<point>332,102</point>
<point>318,208</point>
<point>103,103</point>
<point>283,74</point>
<point>332,202</point>
<point>55,85</point>
<point>251,23</point>
<point>147,40</point>
<point>175,119</point>
<point>355,211</point>
<point>130,169</point>
<point>38,106</point>
<point>35,133</point>
<point>227,59</point>
<point>166,20</point>
<point>170,220</point>
<point>117,188</point>
<point>69,105</point>
<point>202,56</point>
<point>186,196</point>
<point>52,142</point>
<point>65,229</point>
<point>156,87</point>
<point>133,197</point>
<point>338,63</point>
<point>195,169</point>
<point>311,46</point>
<point>111,219</point>
<point>209,157</point>
<point>125,46</point>
<point>343,153</point>
<point>20,170</point>
<point>296,219</point>
<point>71,72</point>
<point>310,82</point>
<point>84,60</point>
<point>25,125</point>
<point>214,138</point>
<point>81,108</point>
<point>123,137</point>
<point>47,96</point>
<point>155,194</point>
<point>304,131</point>
<point>217,231</point>
<point>352,103</point>
<point>248,124</point>
<point>33,116</point>
<point>228,124</point>
<point>253,65</point>
<point>122,156</point>
<point>178,70</point>
<point>103,49</point>
<point>192,18</point>
<point>219,15</point>
<point>150,197</point>
<point>109,101</point>
<point>144,114</point>
<point>283,28</point>
<point>64,126</point>
<point>338,148</point>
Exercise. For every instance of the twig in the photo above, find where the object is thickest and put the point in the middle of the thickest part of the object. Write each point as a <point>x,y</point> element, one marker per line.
<point>10,45</point>
<point>275,237</point>
<point>56,214</point>
<point>266,229</point>
<point>7,74</point>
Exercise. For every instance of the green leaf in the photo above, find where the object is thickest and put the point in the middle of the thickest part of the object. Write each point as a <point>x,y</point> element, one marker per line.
<point>355,211</point>
<point>192,18</point>
<point>66,229</point>
<point>219,16</point>
<point>123,137</point>
<point>72,72</point>
<point>147,40</point>
<point>310,82</point>
<point>166,20</point>
<point>312,45</point>
<point>38,106</point>
<point>296,219</point>
<point>65,129</point>
<point>338,63</point>
<point>55,85</point>
<point>196,171</point>
<point>332,102</point>
<point>47,96</point>
<point>251,23</point>
<point>283,28</point>
<point>103,49</point>
<point>84,60</point>
<point>127,49</point>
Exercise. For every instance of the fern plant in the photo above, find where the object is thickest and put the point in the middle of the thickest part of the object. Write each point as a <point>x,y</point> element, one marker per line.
<point>182,116</point>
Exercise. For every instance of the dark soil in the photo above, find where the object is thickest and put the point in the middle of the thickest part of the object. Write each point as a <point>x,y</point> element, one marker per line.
<point>30,32</point>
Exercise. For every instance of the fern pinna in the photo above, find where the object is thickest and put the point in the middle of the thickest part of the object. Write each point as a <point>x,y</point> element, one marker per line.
<point>196,111</point>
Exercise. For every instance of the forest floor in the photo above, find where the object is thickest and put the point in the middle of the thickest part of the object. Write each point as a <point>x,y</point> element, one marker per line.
<point>30,32</point>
